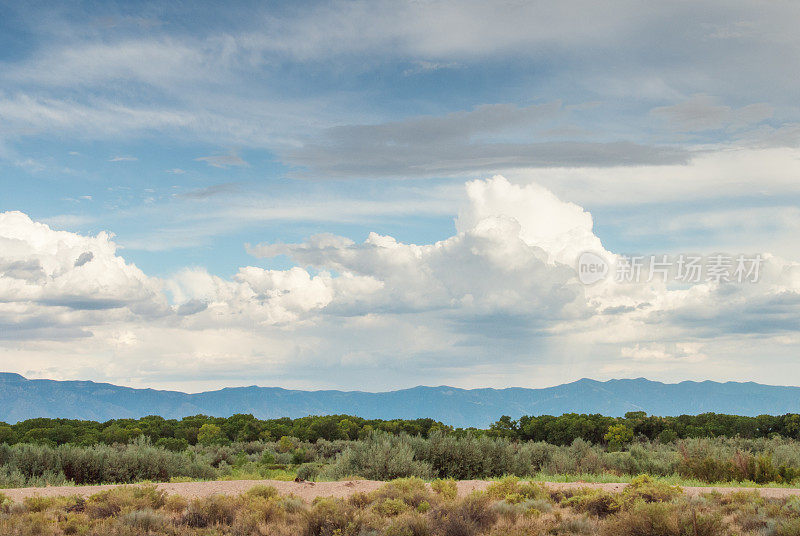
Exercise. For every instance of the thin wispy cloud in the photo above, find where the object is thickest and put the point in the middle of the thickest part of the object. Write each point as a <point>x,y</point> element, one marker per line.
<point>210,191</point>
<point>339,136</point>
<point>223,160</point>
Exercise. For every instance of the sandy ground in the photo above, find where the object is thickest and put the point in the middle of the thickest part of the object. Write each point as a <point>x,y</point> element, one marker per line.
<point>310,490</point>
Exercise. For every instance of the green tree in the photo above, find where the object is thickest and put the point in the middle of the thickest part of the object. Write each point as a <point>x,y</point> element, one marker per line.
<point>7,434</point>
<point>618,436</point>
<point>505,427</point>
<point>285,444</point>
<point>210,434</point>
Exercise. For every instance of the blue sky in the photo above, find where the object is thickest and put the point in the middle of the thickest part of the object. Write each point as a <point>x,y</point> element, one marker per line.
<point>202,136</point>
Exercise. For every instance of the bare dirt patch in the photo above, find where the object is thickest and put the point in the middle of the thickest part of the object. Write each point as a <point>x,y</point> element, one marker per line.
<point>311,490</point>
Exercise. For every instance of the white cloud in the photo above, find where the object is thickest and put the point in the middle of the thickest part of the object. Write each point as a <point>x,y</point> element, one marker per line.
<point>714,172</point>
<point>24,114</point>
<point>498,297</point>
<point>562,229</point>
<point>59,282</point>
<point>161,63</point>
<point>223,160</point>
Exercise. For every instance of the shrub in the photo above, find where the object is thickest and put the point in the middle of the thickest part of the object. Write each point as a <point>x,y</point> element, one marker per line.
<point>788,527</point>
<point>308,471</point>
<point>144,520</point>
<point>264,492</point>
<point>301,455</point>
<point>175,504</point>
<point>451,524</point>
<point>507,509</point>
<point>75,503</point>
<point>664,519</point>
<point>175,444</point>
<point>644,488</point>
<point>38,465</point>
<point>574,525</point>
<point>645,519</point>
<point>194,518</point>
<point>471,456</point>
<point>331,517</point>
<point>292,504</point>
<point>594,501</point>
<point>38,503</point>
<point>469,516</point>
<point>104,504</point>
<point>390,507</point>
<point>110,502</point>
<point>5,502</point>
<point>411,491</point>
<point>257,514</point>
<point>75,523</point>
<point>537,505</point>
<point>511,489</point>
<point>476,508</point>
<point>701,524</point>
<point>215,509</point>
<point>379,457</point>
<point>268,458</point>
<point>447,489</point>
<point>409,524</point>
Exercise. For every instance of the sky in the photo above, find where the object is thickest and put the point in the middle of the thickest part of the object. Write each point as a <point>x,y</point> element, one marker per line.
<point>377,195</point>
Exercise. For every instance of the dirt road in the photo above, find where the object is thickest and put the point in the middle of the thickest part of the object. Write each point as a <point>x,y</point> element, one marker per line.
<point>310,490</point>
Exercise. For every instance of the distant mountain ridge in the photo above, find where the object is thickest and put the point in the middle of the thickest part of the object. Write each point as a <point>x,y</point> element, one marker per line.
<point>22,399</point>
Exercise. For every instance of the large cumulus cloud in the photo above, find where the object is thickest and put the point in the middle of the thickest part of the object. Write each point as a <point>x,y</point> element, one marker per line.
<point>496,303</point>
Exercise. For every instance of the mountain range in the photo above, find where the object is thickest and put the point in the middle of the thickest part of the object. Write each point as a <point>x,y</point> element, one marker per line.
<point>21,398</point>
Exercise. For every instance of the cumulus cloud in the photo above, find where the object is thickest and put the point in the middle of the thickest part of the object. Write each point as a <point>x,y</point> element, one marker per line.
<point>57,283</point>
<point>504,259</point>
<point>255,295</point>
<point>43,265</point>
<point>502,290</point>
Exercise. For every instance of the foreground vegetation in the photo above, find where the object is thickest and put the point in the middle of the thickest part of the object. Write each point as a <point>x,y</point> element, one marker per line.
<point>383,456</point>
<point>408,507</point>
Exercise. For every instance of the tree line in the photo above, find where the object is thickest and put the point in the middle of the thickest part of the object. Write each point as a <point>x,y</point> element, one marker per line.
<point>176,434</point>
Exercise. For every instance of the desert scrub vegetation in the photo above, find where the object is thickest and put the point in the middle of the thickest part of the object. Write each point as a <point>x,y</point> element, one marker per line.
<point>382,456</point>
<point>409,507</point>
<point>386,456</point>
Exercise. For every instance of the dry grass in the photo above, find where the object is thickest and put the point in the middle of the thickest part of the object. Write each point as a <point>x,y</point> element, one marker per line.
<point>408,507</point>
